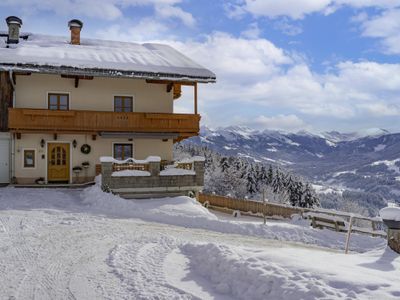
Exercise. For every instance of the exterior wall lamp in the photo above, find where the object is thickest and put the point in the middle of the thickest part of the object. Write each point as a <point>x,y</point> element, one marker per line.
<point>74,143</point>
<point>42,143</point>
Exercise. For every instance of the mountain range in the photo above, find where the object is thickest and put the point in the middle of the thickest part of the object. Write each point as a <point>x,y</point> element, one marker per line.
<point>364,161</point>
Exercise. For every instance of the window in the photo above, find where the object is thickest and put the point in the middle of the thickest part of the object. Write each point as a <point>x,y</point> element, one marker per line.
<point>58,101</point>
<point>122,151</point>
<point>58,156</point>
<point>29,158</point>
<point>123,104</point>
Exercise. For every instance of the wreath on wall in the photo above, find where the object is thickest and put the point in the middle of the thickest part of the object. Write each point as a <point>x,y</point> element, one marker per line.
<point>85,149</point>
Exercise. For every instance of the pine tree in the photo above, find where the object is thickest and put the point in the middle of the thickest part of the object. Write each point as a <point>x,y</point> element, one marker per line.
<point>309,198</point>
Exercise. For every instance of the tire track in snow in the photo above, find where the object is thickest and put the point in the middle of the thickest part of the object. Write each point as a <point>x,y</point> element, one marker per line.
<point>139,268</point>
<point>44,278</point>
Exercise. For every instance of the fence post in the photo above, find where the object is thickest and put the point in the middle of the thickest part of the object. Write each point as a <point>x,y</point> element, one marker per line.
<point>348,234</point>
<point>373,227</point>
<point>264,207</point>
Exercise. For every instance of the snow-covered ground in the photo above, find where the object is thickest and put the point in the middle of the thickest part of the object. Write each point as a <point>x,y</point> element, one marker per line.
<point>84,244</point>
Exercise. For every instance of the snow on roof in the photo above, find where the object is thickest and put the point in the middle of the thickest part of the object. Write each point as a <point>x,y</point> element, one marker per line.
<point>51,54</point>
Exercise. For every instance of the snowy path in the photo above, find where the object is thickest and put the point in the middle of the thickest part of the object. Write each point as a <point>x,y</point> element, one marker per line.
<point>53,255</point>
<point>55,245</point>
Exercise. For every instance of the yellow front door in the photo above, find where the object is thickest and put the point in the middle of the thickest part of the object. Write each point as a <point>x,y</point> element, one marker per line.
<point>58,162</point>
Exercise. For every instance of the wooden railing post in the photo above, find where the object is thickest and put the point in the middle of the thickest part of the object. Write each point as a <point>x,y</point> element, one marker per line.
<point>348,234</point>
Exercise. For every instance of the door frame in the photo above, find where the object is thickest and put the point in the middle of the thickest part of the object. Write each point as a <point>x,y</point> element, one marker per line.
<point>47,158</point>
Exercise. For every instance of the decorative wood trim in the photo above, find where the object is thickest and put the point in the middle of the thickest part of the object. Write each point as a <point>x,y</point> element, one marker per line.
<point>93,122</point>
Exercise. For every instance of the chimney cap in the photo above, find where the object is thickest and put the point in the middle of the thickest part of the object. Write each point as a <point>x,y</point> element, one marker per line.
<point>13,20</point>
<point>75,23</point>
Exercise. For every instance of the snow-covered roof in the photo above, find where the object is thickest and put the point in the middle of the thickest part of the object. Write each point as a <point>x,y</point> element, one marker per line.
<point>51,54</point>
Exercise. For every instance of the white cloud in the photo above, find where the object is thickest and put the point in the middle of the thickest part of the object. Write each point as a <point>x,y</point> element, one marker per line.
<point>169,11</point>
<point>287,28</point>
<point>295,9</point>
<point>238,59</point>
<point>252,32</point>
<point>102,9</point>
<point>145,30</point>
<point>385,26</point>
<point>298,9</point>
<point>382,109</point>
<point>279,122</point>
<point>254,72</point>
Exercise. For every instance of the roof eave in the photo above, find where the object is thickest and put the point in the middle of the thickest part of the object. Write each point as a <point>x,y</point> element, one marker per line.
<point>96,72</point>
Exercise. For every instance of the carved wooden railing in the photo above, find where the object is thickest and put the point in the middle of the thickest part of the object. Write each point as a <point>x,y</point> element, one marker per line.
<point>31,120</point>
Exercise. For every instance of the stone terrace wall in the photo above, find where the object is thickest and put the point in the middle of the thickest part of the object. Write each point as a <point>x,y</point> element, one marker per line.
<point>154,182</point>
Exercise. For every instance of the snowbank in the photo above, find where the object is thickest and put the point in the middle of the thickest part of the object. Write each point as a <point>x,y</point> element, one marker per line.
<point>187,212</point>
<point>179,211</point>
<point>293,273</point>
<point>130,160</point>
<point>390,213</point>
<point>128,173</point>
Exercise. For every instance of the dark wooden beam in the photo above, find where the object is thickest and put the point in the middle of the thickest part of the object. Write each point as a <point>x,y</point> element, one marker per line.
<point>169,87</point>
<point>83,77</point>
<point>177,90</point>
<point>55,136</point>
<point>155,81</point>
<point>23,73</point>
<point>6,99</point>
<point>77,78</point>
<point>76,82</point>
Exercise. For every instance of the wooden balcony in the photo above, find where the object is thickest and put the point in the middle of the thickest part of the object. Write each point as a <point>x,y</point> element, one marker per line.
<point>22,120</point>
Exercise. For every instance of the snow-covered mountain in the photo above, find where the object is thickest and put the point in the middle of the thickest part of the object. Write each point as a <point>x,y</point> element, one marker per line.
<point>365,161</point>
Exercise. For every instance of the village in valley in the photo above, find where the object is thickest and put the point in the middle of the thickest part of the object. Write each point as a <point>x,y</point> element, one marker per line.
<point>146,163</point>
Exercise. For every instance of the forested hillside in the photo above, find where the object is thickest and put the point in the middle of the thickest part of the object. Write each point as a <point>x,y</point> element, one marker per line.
<point>243,178</point>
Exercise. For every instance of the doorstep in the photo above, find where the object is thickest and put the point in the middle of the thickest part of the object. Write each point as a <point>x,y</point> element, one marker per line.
<point>53,185</point>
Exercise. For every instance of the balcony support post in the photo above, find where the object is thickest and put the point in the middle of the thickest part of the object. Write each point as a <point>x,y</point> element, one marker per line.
<point>195,98</point>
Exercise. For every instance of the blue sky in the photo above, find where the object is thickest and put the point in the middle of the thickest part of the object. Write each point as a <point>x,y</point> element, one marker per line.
<point>317,65</point>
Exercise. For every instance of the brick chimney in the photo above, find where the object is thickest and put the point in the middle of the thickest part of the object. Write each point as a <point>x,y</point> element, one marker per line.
<point>14,24</point>
<point>75,26</point>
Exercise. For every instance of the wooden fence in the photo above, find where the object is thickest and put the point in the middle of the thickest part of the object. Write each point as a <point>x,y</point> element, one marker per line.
<point>321,218</point>
<point>254,207</point>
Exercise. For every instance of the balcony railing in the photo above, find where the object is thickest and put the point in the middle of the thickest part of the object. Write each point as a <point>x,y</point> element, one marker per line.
<point>75,121</point>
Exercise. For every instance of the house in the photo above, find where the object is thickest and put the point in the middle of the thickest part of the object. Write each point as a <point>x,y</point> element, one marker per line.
<point>66,102</point>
